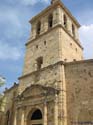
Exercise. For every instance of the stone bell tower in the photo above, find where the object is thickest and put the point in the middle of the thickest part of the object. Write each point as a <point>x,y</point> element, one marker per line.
<point>56,86</point>
<point>54,40</point>
<point>54,37</point>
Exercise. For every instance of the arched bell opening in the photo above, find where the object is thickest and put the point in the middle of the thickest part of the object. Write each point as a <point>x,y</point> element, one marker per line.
<point>50,21</point>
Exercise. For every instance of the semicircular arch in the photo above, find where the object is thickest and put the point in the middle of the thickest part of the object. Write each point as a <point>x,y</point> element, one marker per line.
<point>35,117</point>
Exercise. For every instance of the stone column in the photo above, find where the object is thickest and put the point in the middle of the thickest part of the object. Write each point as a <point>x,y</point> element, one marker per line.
<point>33,32</point>
<point>64,97</point>
<point>42,26</point>
<point>62,105</point>
<point>69,25</point>
<point>1,117</point>
<point>45,113</point>
<point>25,118</point>
<point>15,118</point>
<point>55,18</point>
<point>45,23</point>
<point>76,33</point>
<point>56,110</point>
<point>59,15</point>
<point>25,121</point>
<point>22,117</point>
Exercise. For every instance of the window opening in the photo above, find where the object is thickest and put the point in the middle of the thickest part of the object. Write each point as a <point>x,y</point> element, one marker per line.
<point>38,27</point>
<point>65,21</point>
<point>39,63</point>
<point>50,21</point>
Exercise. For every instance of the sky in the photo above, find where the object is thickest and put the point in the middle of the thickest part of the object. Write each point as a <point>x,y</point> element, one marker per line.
<point>15,31</point>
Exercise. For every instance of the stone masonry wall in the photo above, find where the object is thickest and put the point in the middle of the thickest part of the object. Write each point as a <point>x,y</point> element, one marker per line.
<point>46,46</point>
<point>79,85</point>
<point>9,97</point>
<point>70,50</point>
<point>54,46</point>
<point>49,76</point>
<point>9,104</point>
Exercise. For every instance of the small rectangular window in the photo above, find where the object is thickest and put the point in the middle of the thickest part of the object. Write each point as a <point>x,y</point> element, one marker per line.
<point>39,62</point>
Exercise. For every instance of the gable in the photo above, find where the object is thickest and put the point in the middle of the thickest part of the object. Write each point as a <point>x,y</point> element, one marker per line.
<point>38,91</point>
<point>33,91</point>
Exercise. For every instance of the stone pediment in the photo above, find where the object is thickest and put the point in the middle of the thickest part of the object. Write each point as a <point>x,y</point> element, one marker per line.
<point>38,90</point>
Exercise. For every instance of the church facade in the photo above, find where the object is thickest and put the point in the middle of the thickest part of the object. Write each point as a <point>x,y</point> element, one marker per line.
<point>56,87</point>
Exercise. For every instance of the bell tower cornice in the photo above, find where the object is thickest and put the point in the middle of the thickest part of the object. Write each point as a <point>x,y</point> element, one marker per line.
<point>54,4</point>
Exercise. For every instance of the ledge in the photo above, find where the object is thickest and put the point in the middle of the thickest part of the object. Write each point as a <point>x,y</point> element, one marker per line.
<point>42,69</point>
<point>79,62</point>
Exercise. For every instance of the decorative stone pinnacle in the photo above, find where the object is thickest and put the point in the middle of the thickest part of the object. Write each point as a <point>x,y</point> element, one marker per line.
<point>53,1</point>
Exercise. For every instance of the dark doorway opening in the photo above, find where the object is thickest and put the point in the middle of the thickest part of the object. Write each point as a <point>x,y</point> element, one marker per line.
<point>37,115</point>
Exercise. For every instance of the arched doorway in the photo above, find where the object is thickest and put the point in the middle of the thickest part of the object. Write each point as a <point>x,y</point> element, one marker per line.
<point>8,117</point>
<point>35,117</point>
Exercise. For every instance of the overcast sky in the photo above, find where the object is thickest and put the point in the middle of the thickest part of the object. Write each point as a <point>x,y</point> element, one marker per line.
<point>15,30</point>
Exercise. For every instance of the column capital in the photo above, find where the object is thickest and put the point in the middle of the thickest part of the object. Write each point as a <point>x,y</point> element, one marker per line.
<point>24,108</point>
<point>56,110</point>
